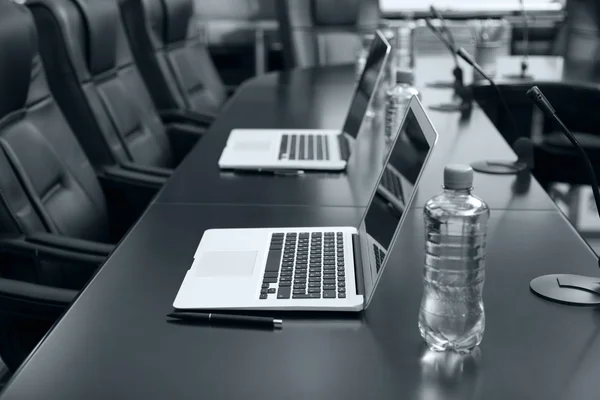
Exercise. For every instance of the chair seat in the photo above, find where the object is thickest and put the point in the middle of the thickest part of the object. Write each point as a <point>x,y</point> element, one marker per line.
<point>556,160</point>
<point>588,141</point>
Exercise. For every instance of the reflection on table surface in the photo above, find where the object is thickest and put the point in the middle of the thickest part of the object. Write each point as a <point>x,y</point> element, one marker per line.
<point>449,375</point>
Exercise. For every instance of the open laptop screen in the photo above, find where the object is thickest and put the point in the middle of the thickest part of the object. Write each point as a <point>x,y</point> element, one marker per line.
<point>395,189</point>
<point>397,182</point>
<point>367,84</point>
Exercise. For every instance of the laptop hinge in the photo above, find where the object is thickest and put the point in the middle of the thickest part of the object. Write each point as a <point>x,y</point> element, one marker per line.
<point>358,265</point>
<point>344,146</point>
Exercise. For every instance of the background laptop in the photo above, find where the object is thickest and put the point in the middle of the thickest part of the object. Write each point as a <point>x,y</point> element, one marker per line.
<point>308,149</point>
<point>313,268</point>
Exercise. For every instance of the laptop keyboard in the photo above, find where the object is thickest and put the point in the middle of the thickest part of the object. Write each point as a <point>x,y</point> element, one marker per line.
<point>304,147</point>
<point>392,183</point>
<point>305,266</point>
<point>379,256</point>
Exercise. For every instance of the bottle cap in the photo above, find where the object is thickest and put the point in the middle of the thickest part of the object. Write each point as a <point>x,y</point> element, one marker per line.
<point>458,177</point>
<point>404,76</point>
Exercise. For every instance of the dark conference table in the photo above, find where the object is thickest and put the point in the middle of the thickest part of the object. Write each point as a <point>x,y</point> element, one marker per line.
<point>319,98</point>
<point>114,342</point>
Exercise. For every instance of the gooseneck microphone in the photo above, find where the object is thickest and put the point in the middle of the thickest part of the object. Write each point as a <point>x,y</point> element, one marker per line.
<point>459,89</point>
<point>566,288</point>
<point>445,36</point>
<point>443,33</point>
<point>440,35</point>
<point>523,145</point>
<point>525,60</point>
<point>445,28</point>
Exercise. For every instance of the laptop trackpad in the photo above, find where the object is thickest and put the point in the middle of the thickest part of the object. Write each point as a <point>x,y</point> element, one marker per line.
<point>226,264</point>
<point>252,145</point>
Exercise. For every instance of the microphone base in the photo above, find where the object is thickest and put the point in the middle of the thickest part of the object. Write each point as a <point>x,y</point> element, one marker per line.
<point>572,290</point>
<point>522,77</point>
<point>441,84</point>
<point>450,107</point>
<point>499,167</point>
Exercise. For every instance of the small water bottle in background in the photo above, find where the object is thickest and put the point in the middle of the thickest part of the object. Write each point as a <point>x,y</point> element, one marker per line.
<point>452,315</point>
<point>362,54</point>
<point>403,46</point>
<point>397,99</point>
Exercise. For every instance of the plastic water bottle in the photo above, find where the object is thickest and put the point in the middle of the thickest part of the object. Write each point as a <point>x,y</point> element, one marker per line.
<point>452,315</point>
<point>403,45</point>
<point>397,99</point>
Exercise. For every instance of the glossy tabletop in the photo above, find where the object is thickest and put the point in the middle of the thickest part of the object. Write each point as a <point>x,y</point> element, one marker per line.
<point>115,342</point>
<point>319,98</point>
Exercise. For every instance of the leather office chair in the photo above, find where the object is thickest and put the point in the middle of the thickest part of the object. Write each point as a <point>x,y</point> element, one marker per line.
<point>324,32</point>
<point>27,312</point>
<point>171,57</point>
<point>56,224</point>
<point>96,82</point>
<point>556,159</point>
<point>582,32</point>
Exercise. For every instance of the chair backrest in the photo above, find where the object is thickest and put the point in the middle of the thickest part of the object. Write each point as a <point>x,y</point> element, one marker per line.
<point>171,56</point>
<point>324,32</point>
<point>576,105</point>
<point>46,182</point>
<point>582,31</point>
<point>93,75</point>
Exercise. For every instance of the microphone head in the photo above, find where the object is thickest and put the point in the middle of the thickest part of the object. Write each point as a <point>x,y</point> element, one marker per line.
<point>536,95</point>
<point>523,147</point>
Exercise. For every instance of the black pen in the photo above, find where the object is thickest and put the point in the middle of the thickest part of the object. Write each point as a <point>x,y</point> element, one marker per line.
<point>227,319</point>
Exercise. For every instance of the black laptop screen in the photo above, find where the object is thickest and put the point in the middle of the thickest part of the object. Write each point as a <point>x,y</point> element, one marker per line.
<point>397,183</point>
<point>366,85</point>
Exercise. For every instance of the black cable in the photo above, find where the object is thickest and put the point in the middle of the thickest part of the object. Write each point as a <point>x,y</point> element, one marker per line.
<point>442,39</point>
<point>445,28</point>
<point>524,63</point>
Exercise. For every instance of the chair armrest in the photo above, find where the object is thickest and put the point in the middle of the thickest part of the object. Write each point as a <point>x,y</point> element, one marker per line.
<point>128,194</point>
<point>183,138</point>
<point>129,179</point>
<point>204,119</point>
<point>147,170</point>
<point>33,300</point>
<point>21,246</point>
<point>71,244</point>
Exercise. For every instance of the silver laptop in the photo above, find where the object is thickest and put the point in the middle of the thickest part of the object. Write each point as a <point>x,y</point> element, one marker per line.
<point>312,268</point>
<point>308,149</point>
